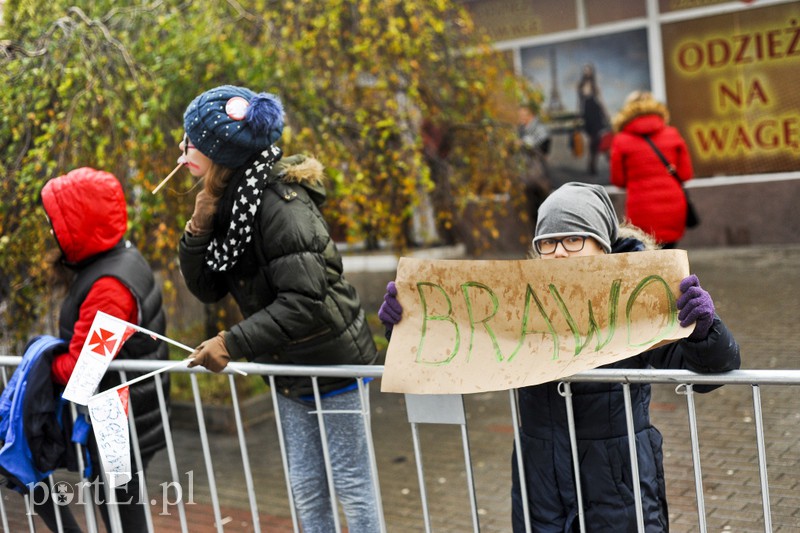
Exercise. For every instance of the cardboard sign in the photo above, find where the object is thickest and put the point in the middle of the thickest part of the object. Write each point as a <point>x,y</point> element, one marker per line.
<point>476,326</point>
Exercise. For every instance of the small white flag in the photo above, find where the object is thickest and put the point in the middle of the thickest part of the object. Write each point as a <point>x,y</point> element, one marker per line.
<point>109,414</point>
<point>102,344</point>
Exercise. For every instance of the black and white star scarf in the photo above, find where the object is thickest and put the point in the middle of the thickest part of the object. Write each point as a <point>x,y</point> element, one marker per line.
<point>224,251</point>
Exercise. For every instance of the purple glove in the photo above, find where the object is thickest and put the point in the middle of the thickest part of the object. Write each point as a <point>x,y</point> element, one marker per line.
<point>695,306</point>
<point>391,311</point>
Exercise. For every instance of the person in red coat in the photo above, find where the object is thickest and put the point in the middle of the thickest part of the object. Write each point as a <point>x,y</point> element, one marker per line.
<point>655,201</point>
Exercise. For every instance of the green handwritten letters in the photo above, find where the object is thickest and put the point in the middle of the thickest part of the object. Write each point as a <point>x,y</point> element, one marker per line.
<point>602,333</point>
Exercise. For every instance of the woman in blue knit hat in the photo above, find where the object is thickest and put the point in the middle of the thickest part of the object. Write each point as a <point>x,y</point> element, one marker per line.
<point>257,233</point>
<point>578,219</point>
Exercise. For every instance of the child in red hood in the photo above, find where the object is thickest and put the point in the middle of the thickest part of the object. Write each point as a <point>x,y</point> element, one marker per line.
<point>88,214</point>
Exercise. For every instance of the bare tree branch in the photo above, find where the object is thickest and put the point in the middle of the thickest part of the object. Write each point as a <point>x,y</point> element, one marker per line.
<point>9,49</point>
<point>107,34</point>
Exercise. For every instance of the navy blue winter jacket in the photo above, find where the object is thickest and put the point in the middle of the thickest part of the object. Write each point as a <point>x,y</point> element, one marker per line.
<point>605,469</point>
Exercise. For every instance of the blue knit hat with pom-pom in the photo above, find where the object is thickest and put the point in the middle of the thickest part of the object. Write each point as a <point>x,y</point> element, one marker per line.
<point>229,124</point>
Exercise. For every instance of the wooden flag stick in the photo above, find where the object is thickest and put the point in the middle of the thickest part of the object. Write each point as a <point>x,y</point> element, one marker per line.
<point>165,180</point>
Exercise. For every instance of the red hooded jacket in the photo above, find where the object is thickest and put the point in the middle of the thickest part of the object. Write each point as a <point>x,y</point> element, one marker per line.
<point>88,213</point>
<point>655,201</point>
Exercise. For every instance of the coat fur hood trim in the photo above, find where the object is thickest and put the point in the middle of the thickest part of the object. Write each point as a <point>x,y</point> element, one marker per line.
<point>629,231</point>
<point>302,170</point>
<point>639,108</point>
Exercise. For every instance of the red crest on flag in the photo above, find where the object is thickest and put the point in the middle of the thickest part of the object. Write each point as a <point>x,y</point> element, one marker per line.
<point>104,341</point>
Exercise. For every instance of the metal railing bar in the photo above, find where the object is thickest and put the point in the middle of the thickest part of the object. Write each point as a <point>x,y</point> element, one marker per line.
<point>29,515</point>
<point>284,458</point>
<point>3,516</point>
<point>677,377</point>
<point>137,456</point>
<point>56,507</point>
<point>681,378</point>
<point>201,428</point>
<point>421,476</point>
<point>695,440</point>
<point>335,412</point>
<point>565,391</point>
<point>347,371</point>
<point>323,435</point>
<point>173,465</point>
<point>470,479</point>
<point>523,483</point>
<point>762,458</point>
<point>598,375</point>
<point>366,417</point>
<point>88,509</point>
<point>248,474</point>
<point>29,505</point>
<point>112,505</point>
<point>637,489</point>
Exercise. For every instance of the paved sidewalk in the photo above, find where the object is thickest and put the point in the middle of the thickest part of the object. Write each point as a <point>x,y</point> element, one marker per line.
<point>757,293</point>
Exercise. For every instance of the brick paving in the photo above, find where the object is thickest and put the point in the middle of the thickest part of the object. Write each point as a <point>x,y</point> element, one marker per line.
<point>199,519</point>
<point>756,291</point>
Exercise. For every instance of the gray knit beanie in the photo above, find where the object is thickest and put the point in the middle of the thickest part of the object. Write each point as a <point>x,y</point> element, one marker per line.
<point>578,209</point>
<point>229,124</point>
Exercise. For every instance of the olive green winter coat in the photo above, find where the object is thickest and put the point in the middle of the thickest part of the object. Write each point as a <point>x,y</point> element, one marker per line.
<point>298,307</point>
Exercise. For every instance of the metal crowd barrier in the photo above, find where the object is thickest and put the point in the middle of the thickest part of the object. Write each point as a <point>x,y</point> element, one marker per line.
<point>421,410</point>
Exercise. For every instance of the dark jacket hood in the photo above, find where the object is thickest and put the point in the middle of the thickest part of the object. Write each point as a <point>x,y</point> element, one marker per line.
<point>87,211</point>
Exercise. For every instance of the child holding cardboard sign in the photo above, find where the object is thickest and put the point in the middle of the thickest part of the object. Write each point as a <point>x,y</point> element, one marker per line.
<point>579,220</point>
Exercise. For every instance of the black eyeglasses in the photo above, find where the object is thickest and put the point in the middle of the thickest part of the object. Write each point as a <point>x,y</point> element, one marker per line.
<point>571,243</point>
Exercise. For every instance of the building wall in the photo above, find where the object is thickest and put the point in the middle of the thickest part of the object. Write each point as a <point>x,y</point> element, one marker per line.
<point>724,68</point>
<point>740,214</point>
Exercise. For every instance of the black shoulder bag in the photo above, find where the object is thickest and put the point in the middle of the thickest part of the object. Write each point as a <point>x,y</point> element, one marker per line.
<point>692,220</point>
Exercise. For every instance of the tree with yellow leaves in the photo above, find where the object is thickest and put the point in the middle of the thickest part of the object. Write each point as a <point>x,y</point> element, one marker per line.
<point>398,99</point>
